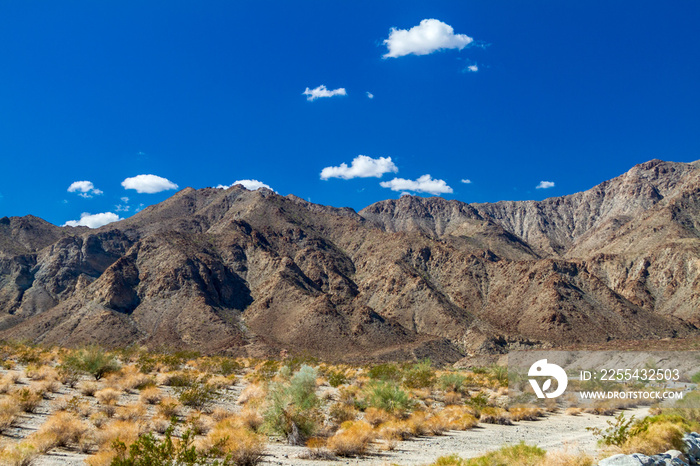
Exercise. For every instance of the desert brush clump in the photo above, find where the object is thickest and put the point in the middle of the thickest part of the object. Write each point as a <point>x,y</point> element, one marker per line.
<point>495,415</point>
<point>353,439</point>
<point>151,395</point>
<point>231,439</point>
<point>520,454</point>
<point>292,406</point>
<point>18,454</point>
<point>27,399</point>
<point>9,410</point>
<point>93,361</point>
<point>389,397</point>
<point>65,428</point>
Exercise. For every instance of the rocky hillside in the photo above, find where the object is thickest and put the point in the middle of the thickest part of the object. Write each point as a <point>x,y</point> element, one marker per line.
<point>252,272</point>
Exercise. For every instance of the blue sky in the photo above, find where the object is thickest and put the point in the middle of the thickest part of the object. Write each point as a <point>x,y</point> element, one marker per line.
<point>207,93</point>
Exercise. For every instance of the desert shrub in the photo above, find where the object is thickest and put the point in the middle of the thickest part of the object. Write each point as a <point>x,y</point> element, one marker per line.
<point>389,397</point>
<point>149,450</point>
<point>168,407</point>
<point>493,415</point>
<point>197,395</point>
<point>266,371</point>
<point>336,378</point>
<point>375,416</point>
<point>92,360</point>
<point>229,440</point>
<point>385,372</point>
<point>688,407</point>
<point>88,388</point>
<point>18,454</point>
<point>8,413</point>
<point>478,401</point>
<point>65,428</point>
<point>453,382</point>
<point>151,395</point>
<point>520,454</point>
<point>573,411</point>
<point>353,439</point>
<point>132,412</point>
<point>27,399</point>
<point>617,432</point>
<point>292,407</point>
<point>68,375</point>
<point>420,375</point>
<point>107,396</point>
<point>655,434</point>
<point>340,412</point>
<point>499,374</point>
<point>459,417</point>
<point>525,412</point>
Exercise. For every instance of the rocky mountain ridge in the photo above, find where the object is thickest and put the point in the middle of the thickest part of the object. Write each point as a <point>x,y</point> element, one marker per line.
<point>253,272</point>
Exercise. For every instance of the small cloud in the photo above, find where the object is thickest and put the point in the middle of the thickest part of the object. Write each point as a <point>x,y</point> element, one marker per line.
<point>405,193</point>
<point>424,184</point>
<point>472,68</point>
<point>93,220</point>
<point>121,208</point>
<point>139,208</point>
<point>429,36</point>
<point>321,91</point>
<point>466,181</point>
<point>250,185</point>
<point>361,167</point>
<point>149,184</point>
<point>84,189</point>
<point>370,95</point>
<point>545,185</point>
<point>125,200</point>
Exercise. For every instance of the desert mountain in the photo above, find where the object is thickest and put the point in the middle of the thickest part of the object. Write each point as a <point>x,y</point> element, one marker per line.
<point>252,272</point>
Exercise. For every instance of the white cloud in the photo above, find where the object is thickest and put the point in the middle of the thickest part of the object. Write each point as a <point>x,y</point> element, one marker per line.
<point>121,208</point>
<point>250,185</point>
<point>545,185</point>
<point>472,68</point>
<point>93,220</point>
<point>424,184</point>
<point>125,200</point>
<point>321,91</point>
<point>361,167</point>
<point>430,35</point>
<point>84,189</point>
<point>148,184</point>
<point>370,95</point>
<point>466,181</point>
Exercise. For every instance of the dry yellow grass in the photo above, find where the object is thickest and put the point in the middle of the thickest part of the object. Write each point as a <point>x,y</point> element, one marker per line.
<point>573,411</point>
<point>131,412</point>
<point>253,394</point>
<point>374,416</point>
<point>459,417</point>
<point>108,396</point>
<point>168,407</point>
<point>230,439</point>
<point>658,437</point>
<point>8,413</point>
<point>27,399</point>
<point>65,428</point>
<point>88,388</point>
<point>151,395</point>
<point>493,415</point>
<point>18,454</point>
<point>525,413</point>
<point>353,439</point>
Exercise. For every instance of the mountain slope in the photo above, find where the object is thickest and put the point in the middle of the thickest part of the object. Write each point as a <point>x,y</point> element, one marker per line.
<point>252,272</point>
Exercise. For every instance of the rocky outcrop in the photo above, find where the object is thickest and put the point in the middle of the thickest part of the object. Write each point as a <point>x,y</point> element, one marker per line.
<point>252,272</point>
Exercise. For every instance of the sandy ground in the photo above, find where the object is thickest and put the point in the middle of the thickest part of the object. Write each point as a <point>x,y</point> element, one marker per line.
<point>556,432</point>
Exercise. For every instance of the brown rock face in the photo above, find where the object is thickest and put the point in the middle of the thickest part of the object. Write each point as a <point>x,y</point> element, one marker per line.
<point>241,272</point>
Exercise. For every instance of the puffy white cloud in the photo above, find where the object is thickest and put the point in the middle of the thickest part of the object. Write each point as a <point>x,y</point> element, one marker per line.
<point>424,184</point>
<point>430,35</point>
<point>545,185</point>
<point>370,95</point>
<point>93,220</point>
<point>84,189</point>
<point>472,68</point>
<point>361,167</point>
<point>321,91</point>
<point>148,184</point>
<point>250,185</point>
<point>466,181</point>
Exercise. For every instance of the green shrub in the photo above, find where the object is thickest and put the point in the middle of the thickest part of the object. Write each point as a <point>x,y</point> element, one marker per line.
<point>151,451</point>
<point>389,397</point>
<point>92,360</point>
<point>196,395</point>
<point>336,378</point>
<point>385,372</point>
<point>453,382</point>
<point>420,375</point>
<point>292,406</point>
<point>617,432</point>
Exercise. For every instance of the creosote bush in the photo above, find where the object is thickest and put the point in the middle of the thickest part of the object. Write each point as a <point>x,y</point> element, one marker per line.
<point>92,360</point>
